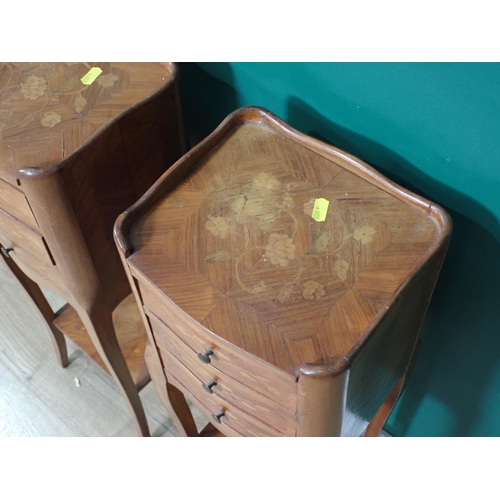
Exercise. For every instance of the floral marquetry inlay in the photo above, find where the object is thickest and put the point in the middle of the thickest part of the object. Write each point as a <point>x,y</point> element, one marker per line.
<point>47,112</point>
<point>42,89</point>
<point>263,205</point>
<point>243,256</point>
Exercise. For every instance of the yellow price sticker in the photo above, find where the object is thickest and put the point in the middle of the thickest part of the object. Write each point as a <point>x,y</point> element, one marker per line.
<point>320,209</point>
<point>91,75</point>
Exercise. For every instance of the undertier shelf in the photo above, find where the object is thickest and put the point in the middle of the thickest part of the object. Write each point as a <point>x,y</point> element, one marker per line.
<point>130,332</point>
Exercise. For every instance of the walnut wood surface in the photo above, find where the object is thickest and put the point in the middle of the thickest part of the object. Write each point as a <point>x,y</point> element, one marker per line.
<point>173,350</point>
<point>47,113</point>
<point>13,201</point>
<point>263,378</point>
<point>224,250</point>
<point>294,290</point>
<point>74,156</point>
<point>243,422</point>
<point>25,241</point>
<point>130,333</point>
<point>46,313</point>
<point>171,397</point>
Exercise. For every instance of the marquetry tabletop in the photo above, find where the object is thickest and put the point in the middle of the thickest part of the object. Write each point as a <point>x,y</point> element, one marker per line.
<point>47,112</point>
<point>239,244</point>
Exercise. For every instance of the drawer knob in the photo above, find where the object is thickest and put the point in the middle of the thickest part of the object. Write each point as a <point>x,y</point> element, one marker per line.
<point>208,387</point>
<point>6,251</point>
<point>204,357</point>
<point>218,416</point>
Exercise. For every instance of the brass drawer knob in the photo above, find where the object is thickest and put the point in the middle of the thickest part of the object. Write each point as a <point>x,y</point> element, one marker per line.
<point>208,387</point>
<point>6,251</point>
<point>204,357</point>
<point>218,416</point>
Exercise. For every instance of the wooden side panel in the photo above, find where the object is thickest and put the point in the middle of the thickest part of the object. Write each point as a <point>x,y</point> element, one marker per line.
<point>383,360</point>
<point>108,177</point>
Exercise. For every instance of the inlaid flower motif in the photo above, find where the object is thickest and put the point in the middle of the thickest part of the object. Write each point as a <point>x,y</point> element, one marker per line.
<point>80,103</point>
<point>218,226</point>
<point>238,204</point>
<point>265,182</point>
<point>50,119</point>
<point>364,234</point>
<point>280,249</point>
<point>313,290</point>
<point>260,288</point>
<point>285,203</point>
<point>107,80</point>
<point>309,206</point>
<point>322,241</point>
<point>5,114</point>
<point>341,267</point>
<point>34,87</point>
<point>285,293</point>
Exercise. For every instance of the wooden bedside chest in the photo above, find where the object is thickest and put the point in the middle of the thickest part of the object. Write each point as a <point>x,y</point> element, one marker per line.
<point>73,155</point>
<point>283,282</point>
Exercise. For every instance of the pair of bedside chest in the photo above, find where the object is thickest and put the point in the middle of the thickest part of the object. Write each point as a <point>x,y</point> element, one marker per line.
<point>278,283</point>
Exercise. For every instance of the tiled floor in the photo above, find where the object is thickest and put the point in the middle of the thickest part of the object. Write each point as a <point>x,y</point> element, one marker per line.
<point>39,398</point>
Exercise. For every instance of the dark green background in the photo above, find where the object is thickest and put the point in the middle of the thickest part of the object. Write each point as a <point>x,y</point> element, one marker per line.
<point>435,129</point>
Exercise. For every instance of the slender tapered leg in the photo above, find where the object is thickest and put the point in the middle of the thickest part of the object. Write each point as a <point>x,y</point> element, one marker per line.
<point>378,421</point>
<point>46,313</point>
<point>171,397</point>
<point>99,325</point>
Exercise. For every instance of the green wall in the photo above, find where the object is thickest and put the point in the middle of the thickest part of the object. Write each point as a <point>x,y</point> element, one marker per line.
<point>435,129</point>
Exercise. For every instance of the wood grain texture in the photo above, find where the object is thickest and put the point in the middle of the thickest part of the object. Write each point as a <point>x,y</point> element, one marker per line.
<point>47,113</point>
<point>129,330</point>
<point>14,202</point>
<point>173,401</point>
<point>33,291</point>
<point>264,379</point>
<point>25,242</point>
<point>237,421</point>
<point>267,266</point>
<point>226,252</point>
<point>174,351</point>
<point>72,157</point>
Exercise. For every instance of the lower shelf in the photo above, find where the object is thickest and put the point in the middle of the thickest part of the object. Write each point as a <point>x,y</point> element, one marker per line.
<point>130,332</point>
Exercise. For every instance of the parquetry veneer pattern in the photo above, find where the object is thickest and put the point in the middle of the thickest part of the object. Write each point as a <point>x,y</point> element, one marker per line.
<point>319,317</point>
<point>72,157</point>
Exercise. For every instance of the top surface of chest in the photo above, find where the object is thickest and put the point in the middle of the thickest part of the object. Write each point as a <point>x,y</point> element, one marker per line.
<point>47,113</point>
<point>235,246</point>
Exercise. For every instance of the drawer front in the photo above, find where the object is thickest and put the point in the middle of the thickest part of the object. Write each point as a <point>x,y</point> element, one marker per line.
<point>233,417</point>
<point>246,369</point>
<point>25,241</point>
<point>226,388</point>
<point>15,203</point>
<point>222,427</point>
